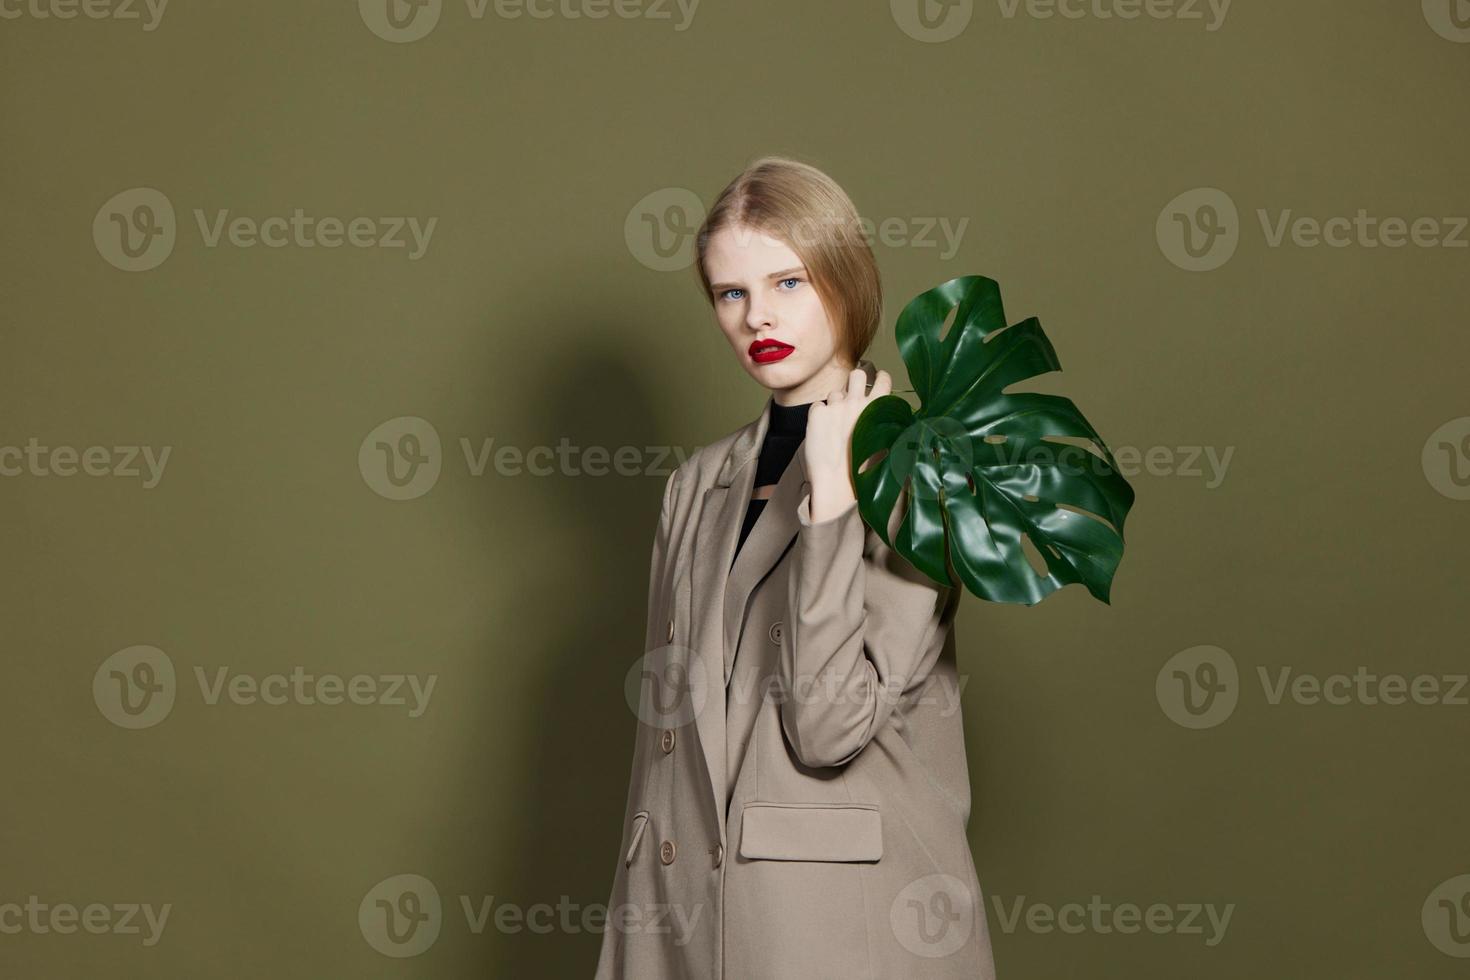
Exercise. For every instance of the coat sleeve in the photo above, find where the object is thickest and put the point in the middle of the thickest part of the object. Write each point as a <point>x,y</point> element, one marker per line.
<point>611,955</point>
<point>655,636</point>
<point>863,621</point>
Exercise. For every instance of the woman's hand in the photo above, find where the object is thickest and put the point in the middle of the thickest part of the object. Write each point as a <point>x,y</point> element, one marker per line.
<point>827,444</point>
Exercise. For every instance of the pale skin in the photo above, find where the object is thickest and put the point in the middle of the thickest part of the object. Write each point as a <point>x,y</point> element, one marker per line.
<point>761,290</point>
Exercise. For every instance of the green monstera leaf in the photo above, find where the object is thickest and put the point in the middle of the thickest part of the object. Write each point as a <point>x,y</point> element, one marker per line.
<point>980,471</point>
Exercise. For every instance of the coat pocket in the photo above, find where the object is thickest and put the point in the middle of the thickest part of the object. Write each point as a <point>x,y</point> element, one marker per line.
<point>811,832</point>
<point>640,823</point>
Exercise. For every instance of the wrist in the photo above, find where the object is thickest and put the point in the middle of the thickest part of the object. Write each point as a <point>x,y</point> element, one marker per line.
<point>830,497</point>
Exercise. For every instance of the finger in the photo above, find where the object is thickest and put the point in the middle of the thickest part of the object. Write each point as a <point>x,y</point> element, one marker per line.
<point>857,382</point>
<point>882,384</point>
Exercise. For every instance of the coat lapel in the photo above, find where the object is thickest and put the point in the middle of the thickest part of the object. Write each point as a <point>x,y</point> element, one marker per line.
<point>721,593</point>
<point>720,516</point>
<point>772,535</point>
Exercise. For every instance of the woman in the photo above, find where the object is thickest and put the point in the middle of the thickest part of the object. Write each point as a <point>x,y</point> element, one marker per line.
<point>799,791</point>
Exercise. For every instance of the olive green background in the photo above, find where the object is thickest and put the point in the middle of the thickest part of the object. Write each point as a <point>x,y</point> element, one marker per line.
<point>531,318</point>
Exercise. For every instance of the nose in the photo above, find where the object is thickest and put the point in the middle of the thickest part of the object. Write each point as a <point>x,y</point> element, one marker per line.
<point>758,317</point>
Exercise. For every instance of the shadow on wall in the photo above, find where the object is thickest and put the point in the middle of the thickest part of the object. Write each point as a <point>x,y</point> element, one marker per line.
<point>565,802</point>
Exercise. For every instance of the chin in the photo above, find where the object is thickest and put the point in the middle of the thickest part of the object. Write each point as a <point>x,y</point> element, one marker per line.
<point>779,375</point>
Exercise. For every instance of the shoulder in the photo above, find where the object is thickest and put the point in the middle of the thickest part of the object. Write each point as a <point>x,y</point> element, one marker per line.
<point>700,470</point>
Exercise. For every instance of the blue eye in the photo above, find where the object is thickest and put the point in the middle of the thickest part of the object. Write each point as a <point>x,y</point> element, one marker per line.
<point>726,293</point>
<point>790,279</point>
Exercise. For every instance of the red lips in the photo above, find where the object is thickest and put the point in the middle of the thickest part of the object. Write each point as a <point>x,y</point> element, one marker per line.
<point>768,351</point>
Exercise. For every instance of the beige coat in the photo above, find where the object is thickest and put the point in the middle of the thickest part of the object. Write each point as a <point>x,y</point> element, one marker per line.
<point>799,791</point>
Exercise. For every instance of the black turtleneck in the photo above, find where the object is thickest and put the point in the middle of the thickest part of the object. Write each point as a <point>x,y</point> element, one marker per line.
<point>785,432</point>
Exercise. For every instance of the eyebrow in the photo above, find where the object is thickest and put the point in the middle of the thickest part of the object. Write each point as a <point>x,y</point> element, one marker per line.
<point>717,286</point>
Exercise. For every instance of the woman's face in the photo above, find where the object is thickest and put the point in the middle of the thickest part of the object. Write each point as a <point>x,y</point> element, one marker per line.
<point>772,316</point>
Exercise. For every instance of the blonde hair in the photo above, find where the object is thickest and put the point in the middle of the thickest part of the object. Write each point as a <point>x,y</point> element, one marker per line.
<point>806,209</point>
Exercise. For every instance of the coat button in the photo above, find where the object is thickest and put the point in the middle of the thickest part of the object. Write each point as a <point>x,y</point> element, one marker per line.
<point>671,629</point>
<point>666,741</point>
<point>719,851</point>
<point>666,852</point>
<point>776,628</point>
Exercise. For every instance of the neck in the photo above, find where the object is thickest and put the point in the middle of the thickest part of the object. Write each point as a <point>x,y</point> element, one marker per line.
<point>832,377</point>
